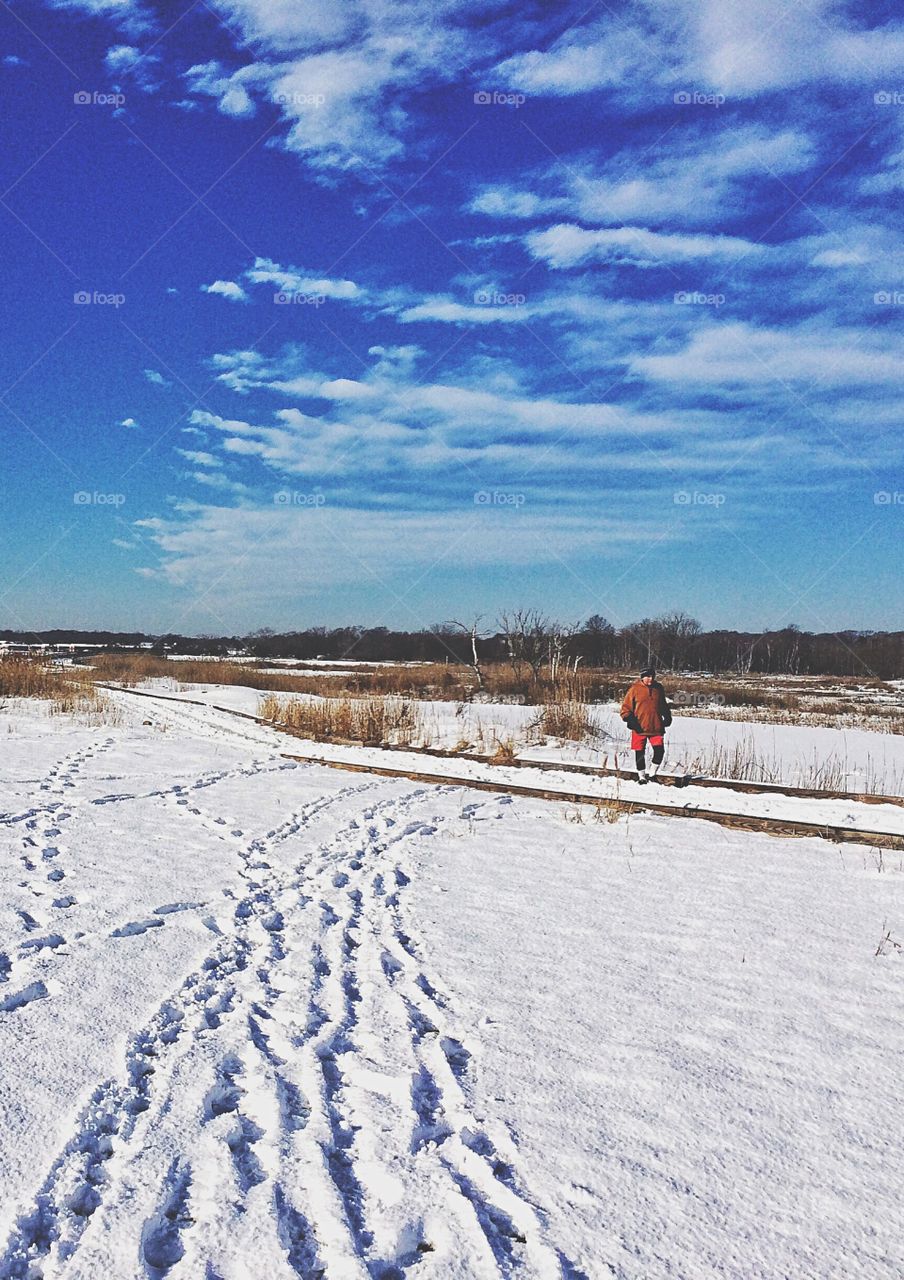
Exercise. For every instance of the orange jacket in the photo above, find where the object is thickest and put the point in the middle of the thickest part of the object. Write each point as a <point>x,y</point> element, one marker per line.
<point>647,706</point>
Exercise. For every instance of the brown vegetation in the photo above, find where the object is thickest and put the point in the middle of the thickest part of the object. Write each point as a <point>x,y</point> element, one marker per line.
<point>563,697</point>
<point>371,721</point>
<point>69,690</point>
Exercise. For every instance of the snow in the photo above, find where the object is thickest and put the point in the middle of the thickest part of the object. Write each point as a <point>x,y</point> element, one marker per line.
<point>220,700</point>
<point>259,1018</point>
<point>865,759</point>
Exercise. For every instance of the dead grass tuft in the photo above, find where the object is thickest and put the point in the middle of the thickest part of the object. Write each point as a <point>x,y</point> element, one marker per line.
<point>505,752</point>
<point>370,721</point>
<point>69,690</point>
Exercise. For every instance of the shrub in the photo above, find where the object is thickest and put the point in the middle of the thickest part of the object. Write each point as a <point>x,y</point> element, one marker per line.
<point>372,721</point>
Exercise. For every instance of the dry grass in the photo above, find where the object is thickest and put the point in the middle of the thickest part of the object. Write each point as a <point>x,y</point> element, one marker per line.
<point>745,762</point>
<point>566,720</point>
<point>437,681</point>
<point>24,677</point>
<point>371,721</point>
<point>69,690</point>
<point>824,701</point>
<point>506,751</point>
<point>817,701</point>
<point>132,668</point>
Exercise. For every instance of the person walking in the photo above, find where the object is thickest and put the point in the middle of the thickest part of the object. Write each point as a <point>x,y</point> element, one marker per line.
<point>646,713</point>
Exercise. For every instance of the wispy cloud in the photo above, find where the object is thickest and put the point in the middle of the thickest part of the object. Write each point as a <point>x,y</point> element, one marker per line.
<point>226,289</point>
<point>566,245</point>
<point>692,178</point>
<point>741,51</point>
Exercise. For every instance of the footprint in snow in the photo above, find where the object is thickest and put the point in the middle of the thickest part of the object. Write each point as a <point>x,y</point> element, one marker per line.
<point>457,1055</point>
<point>49,942</point>
<point>18,999</point>
<point>161,1242</point>
<point>136,927</point>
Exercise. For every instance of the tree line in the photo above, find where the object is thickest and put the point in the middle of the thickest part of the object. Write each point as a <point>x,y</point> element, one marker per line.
<point>529,639</point>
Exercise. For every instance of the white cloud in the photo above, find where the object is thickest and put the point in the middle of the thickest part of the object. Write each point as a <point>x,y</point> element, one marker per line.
<point>735,355</point>
<point>391,426</point>
<point>566,245</point>
<point>510,202</point>
<point>229,88</point>
<point>129,15</point>
<point>157,379</point>
<point>280,552</point>
<point>888,179</point>
<point>226,289</point>
<point>126,62</point>
<point>696,45</point>
<point>585,58</point>
<point>296,280</point>
<point>448,310</point>
<point>691,178</point>
<point>838,258</point>
<point>216,480</point>
<point>200,458</point>
<point>341,74</point>
<point>289,26</point>
<point>129,422</point>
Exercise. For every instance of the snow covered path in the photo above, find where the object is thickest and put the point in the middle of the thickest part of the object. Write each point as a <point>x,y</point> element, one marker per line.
<point>266,1019</point>
<point>846,814</point>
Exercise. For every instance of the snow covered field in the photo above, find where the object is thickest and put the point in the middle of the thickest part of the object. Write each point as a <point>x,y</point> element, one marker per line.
<point>795,754</point>
<point>261,1019</point>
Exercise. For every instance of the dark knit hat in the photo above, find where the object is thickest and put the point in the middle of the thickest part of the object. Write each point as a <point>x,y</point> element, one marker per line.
<point>648,671</point>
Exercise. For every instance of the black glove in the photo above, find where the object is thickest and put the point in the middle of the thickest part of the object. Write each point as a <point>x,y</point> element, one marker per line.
<point>633,724</point>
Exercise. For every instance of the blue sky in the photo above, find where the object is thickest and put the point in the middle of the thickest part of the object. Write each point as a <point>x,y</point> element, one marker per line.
<point>393,313</point>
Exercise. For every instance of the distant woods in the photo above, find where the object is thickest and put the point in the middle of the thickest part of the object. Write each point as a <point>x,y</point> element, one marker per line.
<point>528,641</point>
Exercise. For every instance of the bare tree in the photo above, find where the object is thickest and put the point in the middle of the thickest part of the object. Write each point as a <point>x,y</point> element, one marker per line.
<point>474,633</point>
<point>526,634</point>
<point>677,633</point>
<point>559,641</point>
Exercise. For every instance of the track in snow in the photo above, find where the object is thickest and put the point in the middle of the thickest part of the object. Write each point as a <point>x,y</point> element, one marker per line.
<point>339,1118</point>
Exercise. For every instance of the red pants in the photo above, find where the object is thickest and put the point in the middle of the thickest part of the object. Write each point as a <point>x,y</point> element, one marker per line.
<point>639,740</point>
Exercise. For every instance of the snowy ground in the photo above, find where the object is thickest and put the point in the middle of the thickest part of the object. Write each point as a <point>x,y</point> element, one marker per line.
<point>270,1020</point>
<point>795,754</point>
